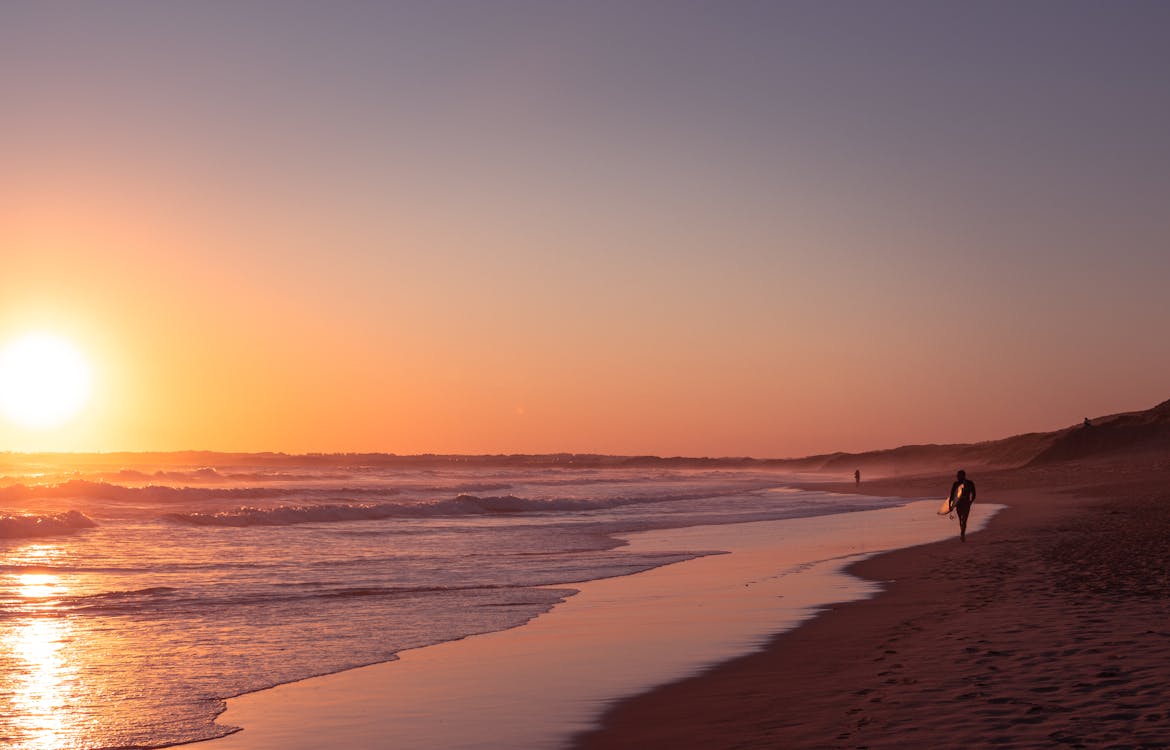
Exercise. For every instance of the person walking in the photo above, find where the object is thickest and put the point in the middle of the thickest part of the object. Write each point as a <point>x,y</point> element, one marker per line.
<point>962,496</point>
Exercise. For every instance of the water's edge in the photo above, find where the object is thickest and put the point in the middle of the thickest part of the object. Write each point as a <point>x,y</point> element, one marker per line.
<point>597,647</point>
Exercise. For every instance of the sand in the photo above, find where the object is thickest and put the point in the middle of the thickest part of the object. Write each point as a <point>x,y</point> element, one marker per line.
<point>1048,628</point>
<point>537,686</point>
<point>1051,628</point>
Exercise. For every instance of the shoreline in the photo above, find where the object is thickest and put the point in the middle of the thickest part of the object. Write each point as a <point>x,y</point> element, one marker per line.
<point>548,681</point>
<point>1046,629</point>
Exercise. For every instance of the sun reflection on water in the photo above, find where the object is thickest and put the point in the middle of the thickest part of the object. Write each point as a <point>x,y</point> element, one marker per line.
<point>39,695</point>
<point>36,554</point>
<point>37,585</point>
<point>36,675</point>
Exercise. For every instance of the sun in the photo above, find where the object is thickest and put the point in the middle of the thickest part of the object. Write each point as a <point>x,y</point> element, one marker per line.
<point>44,381</point>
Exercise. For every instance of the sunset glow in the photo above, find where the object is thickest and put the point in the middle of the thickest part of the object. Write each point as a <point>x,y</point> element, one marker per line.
<point>350,335</point>
<point>779,230</point>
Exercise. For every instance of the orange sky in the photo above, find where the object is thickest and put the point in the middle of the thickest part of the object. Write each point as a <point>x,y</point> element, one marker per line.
<point>415,230</point>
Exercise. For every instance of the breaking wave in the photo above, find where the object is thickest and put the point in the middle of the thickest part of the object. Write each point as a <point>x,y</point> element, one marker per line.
<point>158,493</point>
<point>81,488</point>
<point>205,474</point>
<point>30,525</point>
<point>463,505</point>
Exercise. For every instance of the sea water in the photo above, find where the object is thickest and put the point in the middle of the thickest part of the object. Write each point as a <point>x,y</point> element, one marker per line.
<point>135,598</point>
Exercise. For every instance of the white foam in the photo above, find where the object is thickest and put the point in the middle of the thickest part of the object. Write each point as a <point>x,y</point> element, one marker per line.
<point>51,524</point>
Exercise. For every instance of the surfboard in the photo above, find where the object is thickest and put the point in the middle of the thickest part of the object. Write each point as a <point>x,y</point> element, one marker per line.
<point>948,505</point>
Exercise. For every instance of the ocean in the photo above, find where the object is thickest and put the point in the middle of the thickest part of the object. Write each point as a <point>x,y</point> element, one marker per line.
<point>138,593</point>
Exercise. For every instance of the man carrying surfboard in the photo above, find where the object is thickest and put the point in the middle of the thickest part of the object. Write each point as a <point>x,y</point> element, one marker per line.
<point>961,497</point>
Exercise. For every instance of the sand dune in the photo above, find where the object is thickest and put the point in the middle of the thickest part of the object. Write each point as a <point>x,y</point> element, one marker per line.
<point>1127,434</point>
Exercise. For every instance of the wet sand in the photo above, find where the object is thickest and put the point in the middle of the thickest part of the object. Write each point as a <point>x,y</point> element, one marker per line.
<point>538,685</point>
<point>1051,628</point>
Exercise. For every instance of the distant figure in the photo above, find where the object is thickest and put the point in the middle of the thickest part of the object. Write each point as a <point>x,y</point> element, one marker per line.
<point>1088,423</point>
<point>962,496</point>
<point>857,477</point>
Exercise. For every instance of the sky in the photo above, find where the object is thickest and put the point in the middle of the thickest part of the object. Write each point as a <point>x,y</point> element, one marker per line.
<point>677,228</point>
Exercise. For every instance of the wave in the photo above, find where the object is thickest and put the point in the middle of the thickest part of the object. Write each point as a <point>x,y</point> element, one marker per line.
<point>584,481</point>
<point>51,524</point>
<point>208,474</point>
<point>138,602</point>
<point>205,474</point>
<point>286,476</point>
<point>82,488</point>
<point>463,505</point>
<point>129,593</point>
<point>76,489</point>
<point>286,515</point>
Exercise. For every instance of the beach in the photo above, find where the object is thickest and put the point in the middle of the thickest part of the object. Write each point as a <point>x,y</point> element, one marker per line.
<point>584,375</point>
<point>141,591</point>
<point>538,685</point>
<point>1047,629</point>
<point>595,607</point>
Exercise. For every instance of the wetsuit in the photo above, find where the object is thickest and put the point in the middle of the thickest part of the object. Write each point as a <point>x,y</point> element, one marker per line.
<point>962,496</point>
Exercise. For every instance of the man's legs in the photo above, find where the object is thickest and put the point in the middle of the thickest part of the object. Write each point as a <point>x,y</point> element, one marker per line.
<point>964,510</point>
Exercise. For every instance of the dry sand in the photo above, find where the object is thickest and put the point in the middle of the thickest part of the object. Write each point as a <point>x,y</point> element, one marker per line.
<point>1051,628</point>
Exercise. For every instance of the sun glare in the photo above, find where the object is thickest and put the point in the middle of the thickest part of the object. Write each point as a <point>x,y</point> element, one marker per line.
<point>44,381</point>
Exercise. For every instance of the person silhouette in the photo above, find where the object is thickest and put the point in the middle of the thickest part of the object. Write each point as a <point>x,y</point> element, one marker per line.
<point>962,496</point>
<point>857,476</point>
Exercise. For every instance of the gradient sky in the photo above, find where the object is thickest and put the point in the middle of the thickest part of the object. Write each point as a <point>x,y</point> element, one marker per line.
<point>702,228</point>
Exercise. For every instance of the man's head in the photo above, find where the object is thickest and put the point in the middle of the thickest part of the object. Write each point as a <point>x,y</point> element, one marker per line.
<point>962,475</point>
